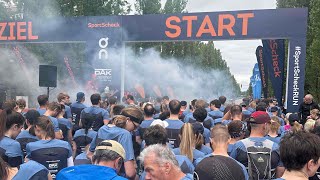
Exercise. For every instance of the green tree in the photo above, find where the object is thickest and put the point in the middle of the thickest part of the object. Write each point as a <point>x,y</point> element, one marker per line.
<point>148,6</point>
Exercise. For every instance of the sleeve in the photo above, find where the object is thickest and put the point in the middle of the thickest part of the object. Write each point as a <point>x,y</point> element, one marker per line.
<point>137,132</point>
<point>69,125</point>
<point>15,155</point>
<point>234,152</point>
<point>93,144</point>
<point>69,150</point>
<point>206,136</point>
<point>126,142</point>
<point>81,114</point>
<point>68,111</point>
<point>106,115</point>
<point>56,125</point>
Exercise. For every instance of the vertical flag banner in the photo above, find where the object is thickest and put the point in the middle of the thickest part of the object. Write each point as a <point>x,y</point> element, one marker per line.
<point>263,70</point>
<point>274,54</point>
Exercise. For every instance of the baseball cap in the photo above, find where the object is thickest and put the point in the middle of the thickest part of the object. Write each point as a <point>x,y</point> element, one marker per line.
<point>80,95</point>
<point>293,117</point>
<point>183,103</point>
<point>274,109</point>
<point>259,117</point>
<point>113,146</point>
<point>218,167</point>
<point>197,128</point>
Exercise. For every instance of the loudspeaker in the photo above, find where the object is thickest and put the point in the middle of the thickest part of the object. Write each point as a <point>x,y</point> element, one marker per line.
<point>47,76</point>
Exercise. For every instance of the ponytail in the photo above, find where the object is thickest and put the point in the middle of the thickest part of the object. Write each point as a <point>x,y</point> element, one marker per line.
<point>3,169</point>
<point>45,124</point>
<point>187,141</point>
<point>199,141</point>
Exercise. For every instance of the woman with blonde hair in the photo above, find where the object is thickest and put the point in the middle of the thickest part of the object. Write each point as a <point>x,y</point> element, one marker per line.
<point>187,145</point>
<point>274,129</point>
<point>309,125</point>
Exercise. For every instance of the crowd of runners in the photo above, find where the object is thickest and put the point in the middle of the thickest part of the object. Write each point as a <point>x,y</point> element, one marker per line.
<point>167,139</point>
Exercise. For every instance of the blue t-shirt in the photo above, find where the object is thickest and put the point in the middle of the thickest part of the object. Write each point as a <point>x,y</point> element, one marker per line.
<point>205,150</point>
<point>82,132</point>
<point>78,105</point>
<point>25,134</point>
<point>120,135</point>
<point>189,118</point>
<point>244,170</point>
<point>215,114</point>
<point>55,123</point>
<point>31,169</point>
<point>206,135</point>
<point>12,149</point>
<point>274,139</point>
<point>145,124</point>
<point>251,109</point>
<point>68,111</point>
<point>239,152</point>
<point>222,108</point>
<point>96,110</point>
<point>65,122</point>
<point>174,124</point>
<point>82,159</point>
<point>41,111</point>
<point>196,153</point>
<point>230,148</point>
<point>226,122</point>
<point>42,144</point>
<point>85,172</point>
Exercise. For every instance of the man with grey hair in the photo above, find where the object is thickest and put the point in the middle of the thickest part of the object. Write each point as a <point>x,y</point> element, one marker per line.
<point>160,163</point>
<point>305,107</point>
<point>108,159</point>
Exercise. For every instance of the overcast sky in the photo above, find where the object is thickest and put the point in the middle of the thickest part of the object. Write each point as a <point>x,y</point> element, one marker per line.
<point>240,55</point>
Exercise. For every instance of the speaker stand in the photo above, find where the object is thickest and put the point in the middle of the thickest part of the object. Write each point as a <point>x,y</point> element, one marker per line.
<point>48,91</point>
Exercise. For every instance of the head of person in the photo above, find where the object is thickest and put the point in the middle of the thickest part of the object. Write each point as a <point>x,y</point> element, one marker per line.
<point>159,162</point>
<point>308,99</point>
<point>11,123</point>
<point>222,99</point>
<point>109,153</point>
<point>62,110</point>
<point>215,104</point>
<point>165,99</point>
<point>262,106</point>
<point>227,109</point>
<point>63,98</point>
<point>274,110</point>
<point>309,125</point>
<point>220,136</point>
<point>200,114</point>
<point>253,105</point>
<point>218,167</point>
<point>43,100</point>
<point>54,109</point>
<point>21,104</point>
<point>183,105</point>
<point>314,114</point>
<point>112,100</point>
<point>200,103</point>
<point>164,108</point>
<point>187,140</point>
<point>300,151</point>
<point>116,109</point>
<point>236,112</point>
<point>237,129</point>
<point>259,123</point>
<point>155,135</point>
<point>95,99</point>
<point>43,128</point>
<point>130,120</point>
<point>130,99</point>
<point>275,124</point>
<point>294,122</point>
<point>149,110</point>
<point>31,117</point>
<point>198,130</point>
<point>192,104</point>
<point>9,104</point>
<point>80,97</point>
<point>174,107</point>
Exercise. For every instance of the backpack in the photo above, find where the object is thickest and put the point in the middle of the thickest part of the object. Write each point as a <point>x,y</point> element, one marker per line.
<point>259,159</point>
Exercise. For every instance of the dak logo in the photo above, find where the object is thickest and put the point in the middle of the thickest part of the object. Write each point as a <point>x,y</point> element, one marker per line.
<point>102,72</point>
<point>53,166</point>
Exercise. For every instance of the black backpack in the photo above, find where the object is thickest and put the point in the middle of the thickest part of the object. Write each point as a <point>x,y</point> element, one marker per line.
<point>259,159</point>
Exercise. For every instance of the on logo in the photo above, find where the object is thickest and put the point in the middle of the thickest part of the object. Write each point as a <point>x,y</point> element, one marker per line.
<point>103,44</point>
